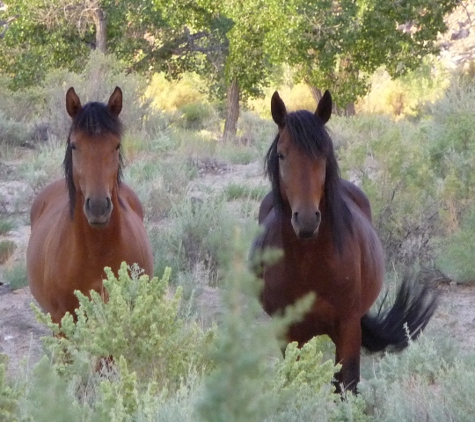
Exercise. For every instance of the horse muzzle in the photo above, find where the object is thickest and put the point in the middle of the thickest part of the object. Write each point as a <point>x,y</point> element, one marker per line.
<point>98,211</point>
<point>306,224</point>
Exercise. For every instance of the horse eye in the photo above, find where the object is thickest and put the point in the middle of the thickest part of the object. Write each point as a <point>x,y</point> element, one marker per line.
<point>280,156</point>
<point>117,147</point>
<point>73,146</point>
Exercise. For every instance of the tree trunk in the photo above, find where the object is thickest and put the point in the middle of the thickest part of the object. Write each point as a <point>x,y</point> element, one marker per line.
<point>350,110</point>
<point>101,30</point>
<point>317,96</point>
<point>316,93</point>
<point>232,111</point>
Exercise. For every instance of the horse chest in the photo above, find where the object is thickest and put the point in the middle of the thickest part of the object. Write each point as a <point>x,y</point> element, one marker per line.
<point>307,267</point>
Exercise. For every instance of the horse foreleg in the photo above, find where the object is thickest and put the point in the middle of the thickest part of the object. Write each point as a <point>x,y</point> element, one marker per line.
<point>348,346</point>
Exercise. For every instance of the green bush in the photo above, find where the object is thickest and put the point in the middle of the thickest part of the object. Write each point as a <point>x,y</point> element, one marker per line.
<point>253,130</point>
<point>139,323</point>
<point>7,247</point>
<point>395,173</point>
<point>171,95</point>
<point>6,225</point>
<point>100,75</point>
<point>239,191</point>
<point>236,153</point>
<point>198,235</point>
<point>44,167</point>
<point>409,95</point>
<point>8,395</point>
<point>452,151</point>
<point>456,251</point>
<point>12,132</point>
<point>160,184</point>
<point>195,115</point>
<point>411,385</point>
<point>16,276</point>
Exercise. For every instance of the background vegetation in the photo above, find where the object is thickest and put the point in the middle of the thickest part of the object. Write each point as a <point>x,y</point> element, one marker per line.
<point>410,147</point>
<point>171,363</point>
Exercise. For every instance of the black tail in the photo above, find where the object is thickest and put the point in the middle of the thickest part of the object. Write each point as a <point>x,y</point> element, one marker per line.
<point>412,310</point>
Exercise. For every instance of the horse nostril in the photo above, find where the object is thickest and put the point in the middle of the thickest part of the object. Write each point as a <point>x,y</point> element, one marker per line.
<point>108,203</point>
<point>88,204</point>
<point>296,217</point>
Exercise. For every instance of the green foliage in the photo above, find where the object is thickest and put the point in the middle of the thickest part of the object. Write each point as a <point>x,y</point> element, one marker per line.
<point>32,45</point>
<point>49,397</point>
<point>7,247</point>
<point>238,389</point>
<point>172,95</point>
<point>254,131</point>
<point>138,323</point>
<point>452,150</point>
<point>333,45</point>
<point>198,236</point>
<point>44,167</point>
<point>345,42</point>
<point>95,81</point>
<point>6,225</point>
<point>8,396</point>
<point>409,95</point>
<point>400,185</point>
<point>195,115</point>
<point>236,154</point>
<point>238,191</point>
<point>419,384</point>
<point>456,251</point>
<point>16,276</point>
<point>303,368</point>
<point>12,133</point>
<point>161,184</point>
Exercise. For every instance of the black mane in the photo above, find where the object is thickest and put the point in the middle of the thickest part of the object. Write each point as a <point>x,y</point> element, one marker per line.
<point>94,119</point>
<point>310,136</point>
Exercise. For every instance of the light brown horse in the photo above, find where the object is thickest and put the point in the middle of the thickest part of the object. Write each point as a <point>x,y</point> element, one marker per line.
<point>323,225</point>
<point>88,220</point>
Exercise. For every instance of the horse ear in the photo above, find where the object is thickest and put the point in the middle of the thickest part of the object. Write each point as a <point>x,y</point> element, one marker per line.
<point>278,110</point>
<point>324,108</point>
<point>73,103</point>
<point>115,102</point>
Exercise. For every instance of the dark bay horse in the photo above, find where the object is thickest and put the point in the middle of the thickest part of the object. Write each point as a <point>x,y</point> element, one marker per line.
<point>330,247</point>
<point>90,219</point>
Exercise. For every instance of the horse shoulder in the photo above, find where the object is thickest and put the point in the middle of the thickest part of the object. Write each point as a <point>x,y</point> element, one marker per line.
<point>354,193</point>
<point>132,200</point>
<point>137,248</point>
<point>54,194</point>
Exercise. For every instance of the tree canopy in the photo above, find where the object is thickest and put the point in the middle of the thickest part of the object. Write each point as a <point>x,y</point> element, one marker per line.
<point>333,44</point>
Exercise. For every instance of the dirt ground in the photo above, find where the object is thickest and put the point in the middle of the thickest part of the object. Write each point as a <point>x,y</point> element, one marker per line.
<point>20,333</point>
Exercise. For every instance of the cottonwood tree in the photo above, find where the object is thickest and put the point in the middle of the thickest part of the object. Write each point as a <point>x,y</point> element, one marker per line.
<point>149,35</point>
<point>235,44</point>
<point>338,44</point>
